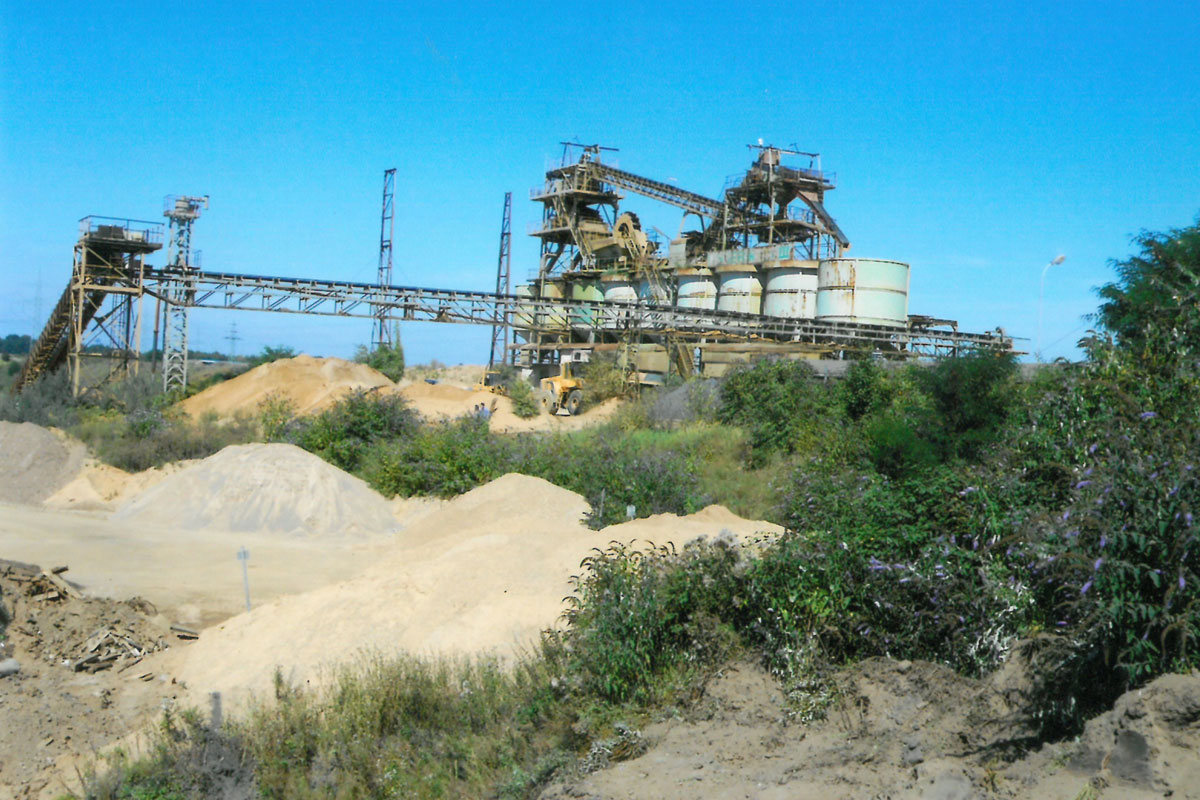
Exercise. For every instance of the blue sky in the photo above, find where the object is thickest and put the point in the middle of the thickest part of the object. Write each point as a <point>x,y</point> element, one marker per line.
<point>975,142</point>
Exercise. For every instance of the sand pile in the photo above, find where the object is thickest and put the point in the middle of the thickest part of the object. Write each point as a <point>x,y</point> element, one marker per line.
<point>445,401</point>
<point>486,571</point>
<point>262,487</point>
<point>310,384</point>
<point>101,487</point>
<point>712,522</point>
<point>35,462</point>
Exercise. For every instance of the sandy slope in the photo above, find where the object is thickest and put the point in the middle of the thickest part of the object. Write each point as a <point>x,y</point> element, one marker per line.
<point>486,571</point>
<point>310,384</point>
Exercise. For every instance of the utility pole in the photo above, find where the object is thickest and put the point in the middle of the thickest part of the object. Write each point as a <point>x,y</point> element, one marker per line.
<point>381,336</point>
<point>503,270</point>
<point>233,339</point>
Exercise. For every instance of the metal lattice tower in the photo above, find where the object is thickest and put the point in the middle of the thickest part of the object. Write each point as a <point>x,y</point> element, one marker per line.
<point>503,270</point>
<point>181,212</point>
<point>381,335</point>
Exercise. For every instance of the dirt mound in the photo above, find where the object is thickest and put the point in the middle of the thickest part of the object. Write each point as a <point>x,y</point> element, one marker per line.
<point>310,384</point>
<point>904,730</point>
<point>82,679</point>
<point>35,462</point>
<point>262,487</point>
<point>486,571</point>
<point>712,522</point>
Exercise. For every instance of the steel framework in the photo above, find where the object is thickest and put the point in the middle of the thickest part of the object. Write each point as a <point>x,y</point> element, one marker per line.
<point>381,334</point>
<point>350,299</point>
<point>503,271</point>
<point>181,212</point>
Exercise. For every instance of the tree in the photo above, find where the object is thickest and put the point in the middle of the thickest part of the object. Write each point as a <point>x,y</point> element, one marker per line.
<point>1154,306</point>
<point>388,359</point>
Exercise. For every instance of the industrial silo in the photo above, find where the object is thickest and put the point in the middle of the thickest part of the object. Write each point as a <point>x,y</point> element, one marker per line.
<point>739,288</point>
<point>869,291</point>
<point>523,316</point>
<point>587,289</point>
<point>555,316</point>
<point>697,289</point>
<point>791,290</point>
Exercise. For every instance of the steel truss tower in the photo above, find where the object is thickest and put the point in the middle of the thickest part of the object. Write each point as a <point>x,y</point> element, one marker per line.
<point>503,271</point>
<point>381,334</point>
<point>181,212</point>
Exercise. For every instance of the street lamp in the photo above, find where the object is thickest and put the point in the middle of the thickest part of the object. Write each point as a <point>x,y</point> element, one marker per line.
<point>1041,300</point>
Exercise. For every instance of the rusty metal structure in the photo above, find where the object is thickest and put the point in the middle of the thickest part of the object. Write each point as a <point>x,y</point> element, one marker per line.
<point>99,313</point>
<point>763,271</point>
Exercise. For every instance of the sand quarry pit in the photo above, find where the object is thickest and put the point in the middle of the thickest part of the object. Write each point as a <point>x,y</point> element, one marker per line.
<point>35,462</point>
<point>486,572</point>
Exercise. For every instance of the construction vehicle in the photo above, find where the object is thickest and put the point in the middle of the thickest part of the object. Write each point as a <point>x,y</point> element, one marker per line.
<point>491,381</point>
<point>562,391</point>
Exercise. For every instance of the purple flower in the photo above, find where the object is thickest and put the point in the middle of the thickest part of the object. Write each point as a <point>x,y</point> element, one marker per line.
<point>1092,449</point>
<point>1147,415</point>
<point>1066,516</point>
<point>1182,583</point>
<point>1082,484</point>
<point>1096,566</point>
<point>1103,541</point>
<point>1085,588</point>
<point>1188,518</point>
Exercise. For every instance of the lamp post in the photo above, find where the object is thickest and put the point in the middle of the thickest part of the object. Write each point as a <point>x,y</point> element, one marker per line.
<point>1042,299</point>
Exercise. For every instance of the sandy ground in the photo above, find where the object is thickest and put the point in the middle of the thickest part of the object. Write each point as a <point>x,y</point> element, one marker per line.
<point>192,575</point>
<point>902,731</point>
<point>486,571</point>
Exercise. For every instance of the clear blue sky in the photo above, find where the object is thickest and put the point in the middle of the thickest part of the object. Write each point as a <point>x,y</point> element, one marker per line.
<point>974,142</point>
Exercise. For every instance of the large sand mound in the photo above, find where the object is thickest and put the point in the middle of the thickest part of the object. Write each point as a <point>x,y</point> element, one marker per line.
<point>101,487</point>
<point>486,571</point>
<point>35,462</point>
<point>262,487</point>
<point>310,384</point>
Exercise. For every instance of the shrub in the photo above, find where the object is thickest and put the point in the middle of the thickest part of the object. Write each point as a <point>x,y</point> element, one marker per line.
<point>779,403</point>
<point>863,389</point>
<point>343,433</point>
<point>388,359</point>
<point>445,459</point>
<point>972,396</point>
<point>524,403</point>
<point>603,379</point>
<point>639,614</point>
<point>269,354</point>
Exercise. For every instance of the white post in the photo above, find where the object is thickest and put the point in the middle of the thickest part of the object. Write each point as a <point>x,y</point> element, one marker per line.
<point>1041,300</point>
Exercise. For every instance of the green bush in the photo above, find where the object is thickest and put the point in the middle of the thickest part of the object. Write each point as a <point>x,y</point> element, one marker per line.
<point>972,396</point>
<point>269,354</point>
<point>343,433</point>
<point>388,359</point>
<point>779,403</point>
<point>863,389</point>
<point>445,460</point>
<point>524,403</point>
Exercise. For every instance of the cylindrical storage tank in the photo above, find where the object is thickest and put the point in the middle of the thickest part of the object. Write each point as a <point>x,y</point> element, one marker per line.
<point>555,316</point>
<point>791,291</point>
<point>618,287</point>
<point>739,289</point>
<point>523,315</point>
<point>870,291</point>
<point>696,288</point>
<point>589,290</point>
